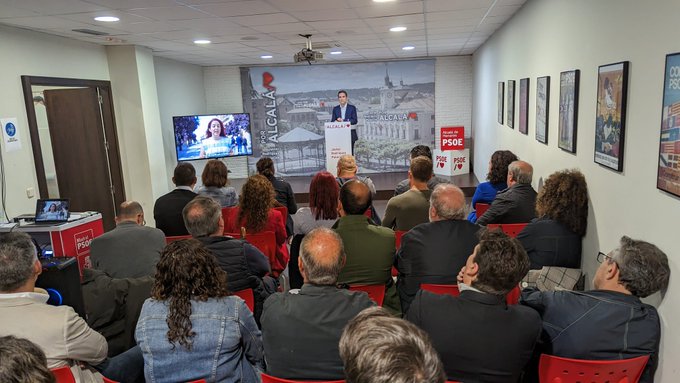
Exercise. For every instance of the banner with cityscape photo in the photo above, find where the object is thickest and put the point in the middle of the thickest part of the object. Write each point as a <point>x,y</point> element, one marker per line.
<point>289,105</point>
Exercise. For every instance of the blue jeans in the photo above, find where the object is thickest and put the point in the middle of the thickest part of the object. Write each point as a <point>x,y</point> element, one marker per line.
<point>127,367</point>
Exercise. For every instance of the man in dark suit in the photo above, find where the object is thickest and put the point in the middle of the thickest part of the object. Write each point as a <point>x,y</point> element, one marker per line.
<point>167,211</point>
<point>478,336</point>
<point>346,112</point>
<point>517,203</point>
<point>433,252</point>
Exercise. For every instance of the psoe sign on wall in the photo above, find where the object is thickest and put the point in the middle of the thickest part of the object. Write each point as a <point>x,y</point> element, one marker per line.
<point>452,138</point>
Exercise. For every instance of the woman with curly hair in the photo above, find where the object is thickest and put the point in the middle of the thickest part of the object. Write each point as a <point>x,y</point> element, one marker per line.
<point>255,214</point>
<point>215,179</point>
<point>496,180</point>
<point>191,328</point>
<point>554,237</point>
<point>215,142</point>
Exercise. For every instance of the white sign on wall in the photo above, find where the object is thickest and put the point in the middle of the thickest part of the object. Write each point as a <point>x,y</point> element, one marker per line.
<point>10,134</point>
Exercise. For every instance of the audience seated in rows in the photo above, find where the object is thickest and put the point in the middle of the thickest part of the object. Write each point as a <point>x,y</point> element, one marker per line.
<point>131,250</point>
<point>376,347</point>
<point>495,180</point>
<point>323,204</point>
<point>64,337</point>
<point>405,185</point>
<point>167,211</point>
<point>22,361</point>
<point>255,214</point>
<point>411,208</point>
<point>347,170</point>
<point>554,238</point>
<point>516,204</point>
<point>609,322</point>
<point>370,248</point>
<point>301,330</point>
<point>215,180</point>
<point>245,265</point>
<point>191,328</point>
<point>434,252</point>
<point>284,192</point>
<point>478,336</point>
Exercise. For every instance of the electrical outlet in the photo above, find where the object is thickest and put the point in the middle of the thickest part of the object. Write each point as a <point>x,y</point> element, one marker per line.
<point>30,192</point>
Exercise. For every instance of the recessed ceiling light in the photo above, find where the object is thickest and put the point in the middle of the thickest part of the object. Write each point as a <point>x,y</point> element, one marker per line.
<point>397,29</point>
<point>108,19</point>
<point>408,48</point>
<point>336,52</point>
<point>266,57</point>
<point>382,1</point>
<point>200,41</point>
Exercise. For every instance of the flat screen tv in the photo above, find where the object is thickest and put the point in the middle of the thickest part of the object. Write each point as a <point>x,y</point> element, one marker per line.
<point>212,136</point>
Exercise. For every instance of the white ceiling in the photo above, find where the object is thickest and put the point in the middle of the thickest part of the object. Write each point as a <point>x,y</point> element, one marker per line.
<point>243,30</point>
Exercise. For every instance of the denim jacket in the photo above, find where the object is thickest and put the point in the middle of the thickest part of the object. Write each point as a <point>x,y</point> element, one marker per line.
<point>227,346</point>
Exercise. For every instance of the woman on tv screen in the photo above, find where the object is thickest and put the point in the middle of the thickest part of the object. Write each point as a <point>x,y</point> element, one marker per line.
<point>216,143</point>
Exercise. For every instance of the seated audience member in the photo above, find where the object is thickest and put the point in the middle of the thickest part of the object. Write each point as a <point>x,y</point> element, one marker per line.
<point>376,347</point>
<point>478,336</point>
<point>609,322</point>
<point>554,238</point>
<point>496,180</point>
<point>433,252</point>
<point>405,185</point>
<point>131,250</point>
<point>516,204</point>
<point>323,205</point>
<point>347,170</point>
<point>305,327</point>
<point>245,265</point>
<point>65,337</point>
<point>167,211</point>
<point>284,192</point>
<point>215,180</point>
<point>191,328</point>
<point>369,248</point>
<point>22,361</point>
<point>411,208</point>
<point>256,215</point>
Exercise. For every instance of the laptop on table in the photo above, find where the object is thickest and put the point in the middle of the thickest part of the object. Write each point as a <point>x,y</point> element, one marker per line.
<point>51,211</point>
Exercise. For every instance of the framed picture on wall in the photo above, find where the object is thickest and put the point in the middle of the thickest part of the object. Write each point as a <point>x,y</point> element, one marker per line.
<point>511,103</point>
<point>542,105</point>
<point>524,106</point>
<point>610,120</point>
<point>501,101</point>
<point>568,117</point>
<point>668,175</point>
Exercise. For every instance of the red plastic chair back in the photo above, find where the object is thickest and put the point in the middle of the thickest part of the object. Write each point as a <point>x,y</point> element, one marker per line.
<point>481,208</point>
<point>554,369</point>
<point>176,238</point>
<point>63,375</point>
<point>266,242</point>
<point>198,381</point>
<point>375,292</point>
<point>397,236</point>
<point>272,379</point>
<point>246,295</point>
<point>441,289</point>
<point>513,296</point>
<point>107,380</point>
<point>511,229</point>
<point>225,212</point>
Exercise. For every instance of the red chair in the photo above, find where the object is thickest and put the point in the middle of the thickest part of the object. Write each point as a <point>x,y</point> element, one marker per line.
<point>481,208</point>
<point>63,375</point>
<point>511,229</point>
<point>226,210</point>
<point>176,238</point>
<point>265,241</point>
<point>554,369</point>
<point>272,379</point>
<point>283,210</point>
<point>375,292</point>
<point>513,296</point>
<point>441,289</point>
<point>107,380</point>
<point>397,235</point>
<point>246,295</point>
<point>198,381</point>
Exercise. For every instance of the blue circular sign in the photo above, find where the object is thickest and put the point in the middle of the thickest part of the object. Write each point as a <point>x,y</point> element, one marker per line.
<point>10,129</point>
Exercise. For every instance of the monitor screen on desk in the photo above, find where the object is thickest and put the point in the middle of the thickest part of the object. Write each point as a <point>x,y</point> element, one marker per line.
<point>52,210</point>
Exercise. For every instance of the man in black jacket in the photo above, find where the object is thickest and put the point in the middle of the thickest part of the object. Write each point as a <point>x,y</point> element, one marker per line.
<point>167,211</point>
<point>245,265</point>
<point>517,203</point>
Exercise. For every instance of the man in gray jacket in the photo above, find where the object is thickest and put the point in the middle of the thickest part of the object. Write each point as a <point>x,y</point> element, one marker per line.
<point>131,250</point>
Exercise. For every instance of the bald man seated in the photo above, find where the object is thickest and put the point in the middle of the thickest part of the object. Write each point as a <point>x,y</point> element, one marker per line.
<point>131,250</point>
<point>301,331</point>
<point>517,203</point>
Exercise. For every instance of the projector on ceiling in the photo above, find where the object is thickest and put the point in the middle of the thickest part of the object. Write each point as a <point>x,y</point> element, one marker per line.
<point>308,54</point>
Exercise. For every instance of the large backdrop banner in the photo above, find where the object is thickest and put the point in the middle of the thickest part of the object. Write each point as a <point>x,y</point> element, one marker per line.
<point>290,104</point>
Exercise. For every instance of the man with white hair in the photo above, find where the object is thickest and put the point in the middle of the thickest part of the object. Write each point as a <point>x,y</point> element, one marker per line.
<point>517,203</point>
<point>433,252</point>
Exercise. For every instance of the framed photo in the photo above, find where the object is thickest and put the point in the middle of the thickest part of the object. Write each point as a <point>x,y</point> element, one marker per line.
<point>511,103</point>
<point>501,101</point>
<point>668,175</point>
<point>542,105</point>
<point>610,121</point>
<point>524,106</point>
<point>568,118</point>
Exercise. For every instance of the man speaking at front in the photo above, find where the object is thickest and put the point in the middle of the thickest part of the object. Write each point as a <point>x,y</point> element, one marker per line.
<point>346,112</point>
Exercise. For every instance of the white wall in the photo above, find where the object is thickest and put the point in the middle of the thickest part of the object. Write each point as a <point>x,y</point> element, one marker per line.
<point>36,54</point>
<point>547,37</point>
